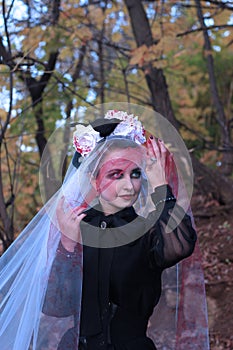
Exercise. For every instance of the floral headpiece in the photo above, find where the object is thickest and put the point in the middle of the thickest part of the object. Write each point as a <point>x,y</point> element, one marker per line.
<point>85,138</point>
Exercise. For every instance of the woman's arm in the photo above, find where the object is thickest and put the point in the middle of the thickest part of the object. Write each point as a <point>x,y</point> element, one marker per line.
<point>63,289</point>
<point>65,277</point>
<point>172,236</point>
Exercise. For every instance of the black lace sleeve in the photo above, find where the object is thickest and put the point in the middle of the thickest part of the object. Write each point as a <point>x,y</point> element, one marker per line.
<point>62,289</point>
<point>172,237</point>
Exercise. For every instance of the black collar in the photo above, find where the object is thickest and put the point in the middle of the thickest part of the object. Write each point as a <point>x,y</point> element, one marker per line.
<point>95,215</point>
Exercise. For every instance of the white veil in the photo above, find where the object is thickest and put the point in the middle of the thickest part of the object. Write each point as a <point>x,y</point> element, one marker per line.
<point>24,273</point>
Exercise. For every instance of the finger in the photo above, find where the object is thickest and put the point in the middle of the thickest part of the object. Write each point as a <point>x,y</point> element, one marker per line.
<point>78,210</point>
<point>81,216</point>
<point>152,148</point>
<point>170,158</point>
<point>77,218</point>
<point>163,150</point>
<point>60,206</point>
<point>64,209</point>
<point>154,144</point>
<point>161,145</point>
<point>171,165</point>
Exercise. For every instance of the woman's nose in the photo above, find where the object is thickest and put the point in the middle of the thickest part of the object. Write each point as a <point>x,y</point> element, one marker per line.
<point>128,184</point>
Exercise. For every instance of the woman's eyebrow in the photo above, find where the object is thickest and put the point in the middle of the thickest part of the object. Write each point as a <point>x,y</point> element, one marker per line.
<point>120,170</point>
<point>114,170</point>
<point>138,169</point>
<point>123,169</point>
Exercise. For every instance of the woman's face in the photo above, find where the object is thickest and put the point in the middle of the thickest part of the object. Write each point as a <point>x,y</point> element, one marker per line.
<point>118,182</point>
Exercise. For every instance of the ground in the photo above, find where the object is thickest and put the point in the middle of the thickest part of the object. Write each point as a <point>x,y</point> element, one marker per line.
<point>215,230</point>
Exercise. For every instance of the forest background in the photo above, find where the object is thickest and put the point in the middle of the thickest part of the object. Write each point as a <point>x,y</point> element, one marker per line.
<point>58,57</point>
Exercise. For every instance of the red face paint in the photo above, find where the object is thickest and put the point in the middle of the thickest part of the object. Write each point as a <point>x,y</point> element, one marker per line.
<point>118,182</point>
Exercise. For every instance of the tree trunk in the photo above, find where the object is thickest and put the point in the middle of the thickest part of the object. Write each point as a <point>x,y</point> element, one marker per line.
<point>212,184</point>
<point>156,80</point>
<point>227,163</point>
<point>69,107</point>
<point>36,88</point>
<point>207,180</point>
<point>7,229</point>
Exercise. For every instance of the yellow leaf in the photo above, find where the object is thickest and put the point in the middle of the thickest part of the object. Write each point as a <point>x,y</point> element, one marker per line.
<point>83,34</point>
<point>117,37</point>
<point>137,55</point>
<point>3,114</point>
<point>96,16</point>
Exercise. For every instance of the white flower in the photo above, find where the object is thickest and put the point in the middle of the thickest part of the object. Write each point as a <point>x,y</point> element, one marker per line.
<point>129,126</point>
<point>120,115</point>
<point>123,129</point>
<point>85,139</point>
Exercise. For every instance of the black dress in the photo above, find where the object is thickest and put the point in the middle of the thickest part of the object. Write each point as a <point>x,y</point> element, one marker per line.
<point>121,285</point>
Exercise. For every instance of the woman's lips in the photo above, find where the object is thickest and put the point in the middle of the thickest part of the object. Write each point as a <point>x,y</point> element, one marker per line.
<point>127,196</point>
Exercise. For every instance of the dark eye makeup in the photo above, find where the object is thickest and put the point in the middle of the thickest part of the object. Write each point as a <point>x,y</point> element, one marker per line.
<point>115,174</point>
<point>136,173</point>
<point>119,174</point>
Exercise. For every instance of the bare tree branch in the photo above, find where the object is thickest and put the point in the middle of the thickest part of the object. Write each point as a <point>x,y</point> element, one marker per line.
<point>191,31</point>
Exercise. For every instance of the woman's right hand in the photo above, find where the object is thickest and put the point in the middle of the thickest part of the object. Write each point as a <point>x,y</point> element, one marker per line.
<point>156,162</point>
<point>69,224</point>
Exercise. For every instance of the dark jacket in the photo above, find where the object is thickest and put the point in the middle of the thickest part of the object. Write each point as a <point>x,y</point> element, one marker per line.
<point>122,284</point>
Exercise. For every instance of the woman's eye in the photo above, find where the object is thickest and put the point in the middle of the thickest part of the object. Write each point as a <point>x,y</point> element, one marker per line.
<point>116,175</point>
<point>136,174</point>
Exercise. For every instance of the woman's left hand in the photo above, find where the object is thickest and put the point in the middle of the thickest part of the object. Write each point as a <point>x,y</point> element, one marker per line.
<point>69,223</point>
<point>156,162</point>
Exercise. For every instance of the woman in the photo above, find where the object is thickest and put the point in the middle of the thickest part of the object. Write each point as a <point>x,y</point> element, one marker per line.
<point>97,277</point>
